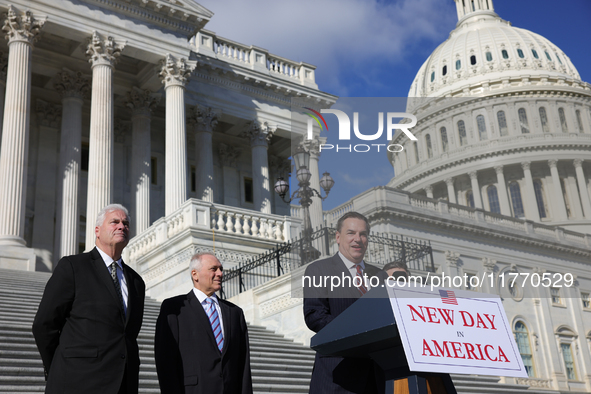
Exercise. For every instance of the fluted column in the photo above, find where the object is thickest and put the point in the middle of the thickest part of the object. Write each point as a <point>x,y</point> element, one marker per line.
<point>73,87</point>
<point>475,189</point>
<point>451,191</point>
<point>102,54</point>
<point>174,74</point>
<point>313,147</point>
<point>530,203</point>
<point>560,210</point>
<point>48,116</point>
<point>578,163</point>
<point>260,134</point>
<point>204,119</point>
<point>429,191</point>
<point>141,103</point>
<point>502,191</point>
<point>21,30</point>
<point>228,155</point>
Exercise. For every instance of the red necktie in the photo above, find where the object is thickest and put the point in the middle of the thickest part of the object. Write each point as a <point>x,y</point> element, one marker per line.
<point>362,288</point>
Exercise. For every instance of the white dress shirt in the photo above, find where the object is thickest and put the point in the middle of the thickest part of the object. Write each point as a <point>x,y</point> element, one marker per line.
<point>352,268</point>
<point>122,282</point>
<point>201,296</point>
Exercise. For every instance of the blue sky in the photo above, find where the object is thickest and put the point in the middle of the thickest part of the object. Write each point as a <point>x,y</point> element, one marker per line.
<point>368,48</point>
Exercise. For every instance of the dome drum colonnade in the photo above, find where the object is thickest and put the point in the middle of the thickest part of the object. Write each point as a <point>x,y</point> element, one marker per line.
<point>503,119</point>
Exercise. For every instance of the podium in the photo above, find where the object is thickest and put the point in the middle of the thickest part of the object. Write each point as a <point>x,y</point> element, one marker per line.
<point>367,329</point>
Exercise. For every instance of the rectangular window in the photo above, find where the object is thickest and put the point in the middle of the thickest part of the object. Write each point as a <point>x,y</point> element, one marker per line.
<point>154,171</point>
<point>555,294</point>
<point>248,190</point>
<point>585,300</point>
<point>569,362</point>
<point>84,157</point>
<point>193,180</point>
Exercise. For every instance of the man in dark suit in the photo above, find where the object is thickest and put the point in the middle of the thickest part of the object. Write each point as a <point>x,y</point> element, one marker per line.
<point>90,315</point>
<point>321,306</point>
<point>201,343</point>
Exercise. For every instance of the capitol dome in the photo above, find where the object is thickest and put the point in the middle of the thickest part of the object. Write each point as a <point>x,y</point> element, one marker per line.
<point>483,50</point>
<point>503,125</point>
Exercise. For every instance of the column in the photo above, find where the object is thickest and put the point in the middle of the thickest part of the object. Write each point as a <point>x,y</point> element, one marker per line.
<point>174,74</point>
<point>475,189</point>
<point>583,188</point>
<point>48,116</point>
<point>429,191</point>
<point>530,203</point>
<point>502,191</point>
<point>204,120</point>
<point>73,87</point>
<point>228,155</point>
<point>316,212</point>
<point>142,103</point>
<point>21,30</point>
<point>558,206</point>
<point>102,54</point>
<point>3,68</point>
<point>451,192</point>
<point>260,134</point>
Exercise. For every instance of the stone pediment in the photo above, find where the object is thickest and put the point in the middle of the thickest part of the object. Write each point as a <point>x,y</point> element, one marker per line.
<point>184,17</point>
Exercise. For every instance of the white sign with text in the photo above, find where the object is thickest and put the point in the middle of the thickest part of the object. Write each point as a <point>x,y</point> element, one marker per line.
<point>455,331</point>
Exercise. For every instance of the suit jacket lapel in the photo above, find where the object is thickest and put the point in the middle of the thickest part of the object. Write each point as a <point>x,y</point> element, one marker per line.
<point>227,317</point>
<point>340,269</point>
<point>102,273</point>
<point>201,317</point>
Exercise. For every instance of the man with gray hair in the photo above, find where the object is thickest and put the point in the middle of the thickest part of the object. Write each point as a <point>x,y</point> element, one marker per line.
<point>201,343</point>
<point>90,315</point>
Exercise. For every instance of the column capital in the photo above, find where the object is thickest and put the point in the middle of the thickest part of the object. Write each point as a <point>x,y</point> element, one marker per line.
<point>228,154</point>
<point>203,118</point>
<point>49,115</point>
<point>175,72</point>
<point>141,101</point>
<point>100,51</point>
<point>21,26</point>
<point>578,163</point>
<point>260,133</point>
<point>429,189</point>
<point>526,165</point>
<point>72,84</point>
<point>449,181</point>
<point>121,130</point>
<point>499,169</point>
<point>473,174</point>
<point>452,258</point>
<point>313,145</point>
<point>552,163</point>
<point>489,264</point>
<point>281,167</point>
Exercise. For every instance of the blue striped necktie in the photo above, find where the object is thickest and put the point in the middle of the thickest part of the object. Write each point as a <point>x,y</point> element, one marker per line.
<point>214,320</point>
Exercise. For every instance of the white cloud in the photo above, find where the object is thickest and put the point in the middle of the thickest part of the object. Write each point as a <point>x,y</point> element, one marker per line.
<point>340,37</point>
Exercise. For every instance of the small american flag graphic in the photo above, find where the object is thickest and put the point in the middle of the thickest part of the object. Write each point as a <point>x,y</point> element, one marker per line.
<point>448,297</point>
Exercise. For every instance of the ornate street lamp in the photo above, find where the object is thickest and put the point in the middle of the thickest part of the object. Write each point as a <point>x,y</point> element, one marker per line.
<point>305,194</point>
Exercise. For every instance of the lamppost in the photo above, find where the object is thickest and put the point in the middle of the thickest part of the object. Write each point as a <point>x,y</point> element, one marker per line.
<point>305,194</point>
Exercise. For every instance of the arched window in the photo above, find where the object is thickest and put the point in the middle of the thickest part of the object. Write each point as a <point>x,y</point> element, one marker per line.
<point>458,64</point>
<point>470,198</point>
<point>540,198</point>
<point>502,123</point>
<point>493,199</point>
<point>524,346</point>
<point>558,57</point>
<point>516,201</point>
<point>472,60</point>
<point>535,53</point>
<point>462,133</point>
<point>444,142</point>
<point>544,120</point>
<point>429,146</point>
<point>569,361</point>
<point>523,121</point>
<point>579,121</point>
<point>505,54</point>
<point>481,128</point>
<point>488,57</point>
<point>520,53</point>
<point>444,71</point>
<point>432,76</point>
<point>562,117</point>
<point>416,153</point>
<point>548,55</point>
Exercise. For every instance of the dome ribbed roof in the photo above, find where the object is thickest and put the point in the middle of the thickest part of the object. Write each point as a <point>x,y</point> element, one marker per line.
<point>484,48</point>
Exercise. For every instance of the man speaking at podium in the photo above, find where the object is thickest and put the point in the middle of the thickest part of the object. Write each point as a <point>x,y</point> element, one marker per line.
<point>322,305</point>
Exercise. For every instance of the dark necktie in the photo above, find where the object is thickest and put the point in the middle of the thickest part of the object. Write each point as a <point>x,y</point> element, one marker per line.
<point>113,267</point>
<point>362,289</point>
<point>214,320</point>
